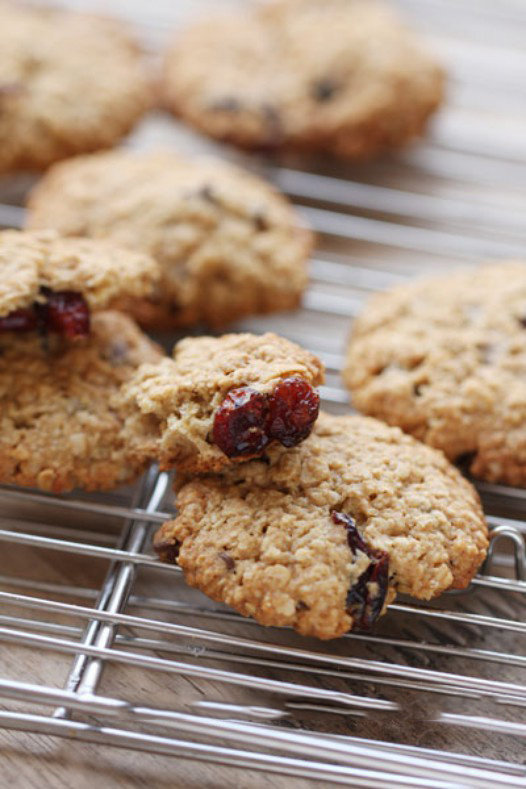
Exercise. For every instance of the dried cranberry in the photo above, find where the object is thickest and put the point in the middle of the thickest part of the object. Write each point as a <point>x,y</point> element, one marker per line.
<point>240,422</point>
<point>366,597</point>
<point>19,321</point>
<point>67,313</point>
<point>293,409</point>
<point>247,420</point>
<point>64,312</point>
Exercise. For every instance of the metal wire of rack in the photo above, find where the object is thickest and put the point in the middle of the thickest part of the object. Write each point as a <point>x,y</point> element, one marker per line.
<point>435,697</point>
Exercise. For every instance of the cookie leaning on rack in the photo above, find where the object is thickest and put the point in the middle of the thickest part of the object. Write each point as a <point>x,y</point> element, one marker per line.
<point>321,537</point>
<point>63,359</point>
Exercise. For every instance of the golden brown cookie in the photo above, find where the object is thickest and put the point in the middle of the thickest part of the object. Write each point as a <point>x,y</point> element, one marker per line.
<point>228,244</point>
<point>322,536</point>
<point>68,83</point>
<point>59,427</point>
<point>50,283</point>
<point>445,359</point>
<point>99,270</point>
<point>222,400</point>
<point>342,76</point>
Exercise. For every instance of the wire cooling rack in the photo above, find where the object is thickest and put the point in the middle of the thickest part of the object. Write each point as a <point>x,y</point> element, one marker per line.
<point>436,695</point>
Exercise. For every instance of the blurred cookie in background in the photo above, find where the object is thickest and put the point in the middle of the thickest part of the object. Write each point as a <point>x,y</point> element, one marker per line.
<point>69,83</point>
<point>228,244</point>
<point>340,76</point>
<point>444,358</point>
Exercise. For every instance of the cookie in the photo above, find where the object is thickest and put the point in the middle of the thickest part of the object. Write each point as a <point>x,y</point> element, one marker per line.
<point>59,428</point>
<point>53,283</point>
<point>339,76</point>
<point>228,244</point>
<point>445,359</point>
<point>222,400</point>
<point>69,83</point>
<point>322,536</point>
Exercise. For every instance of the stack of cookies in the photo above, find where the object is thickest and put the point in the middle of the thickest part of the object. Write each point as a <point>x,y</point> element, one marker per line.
<point>292,519</point>
<point>290,516</point>
<point>63,359</point>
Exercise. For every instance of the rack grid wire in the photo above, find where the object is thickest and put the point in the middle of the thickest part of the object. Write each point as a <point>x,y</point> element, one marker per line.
<point>436,695</point>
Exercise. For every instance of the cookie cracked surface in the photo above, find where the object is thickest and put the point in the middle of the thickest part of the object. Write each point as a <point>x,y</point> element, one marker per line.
<point>228,244</point>
<point>172,406</point>
<point>343,76</point>
<point>68,83</point>
<point>271,539</point>
<point>59,427</point>
<point>445,359</point>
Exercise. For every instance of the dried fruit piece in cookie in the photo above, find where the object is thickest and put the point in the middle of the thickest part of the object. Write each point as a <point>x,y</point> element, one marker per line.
<point>340,76</point>
<point>59,426</point>
<point>69,83</point>
<point>240,423</point>
<point>228,244</point>
<point>445,360</point>
<point>293,409</point>
<point>222,400</point>
<point>64,312</point>
<point>247,420</point>
<point>322,537</point>
<point>367,594</point>
<point>50,284</point>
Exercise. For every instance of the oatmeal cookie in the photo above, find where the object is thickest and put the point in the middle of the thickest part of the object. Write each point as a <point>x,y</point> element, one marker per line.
<point>51,284</point>
<point>341,76</point>
<point>98,270</point>
<point>228,244</point>
<point>222,400</point>
<point>59,428</point>
<point>445,360</point>
<point>68,83</point>
<point>322,536</point>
